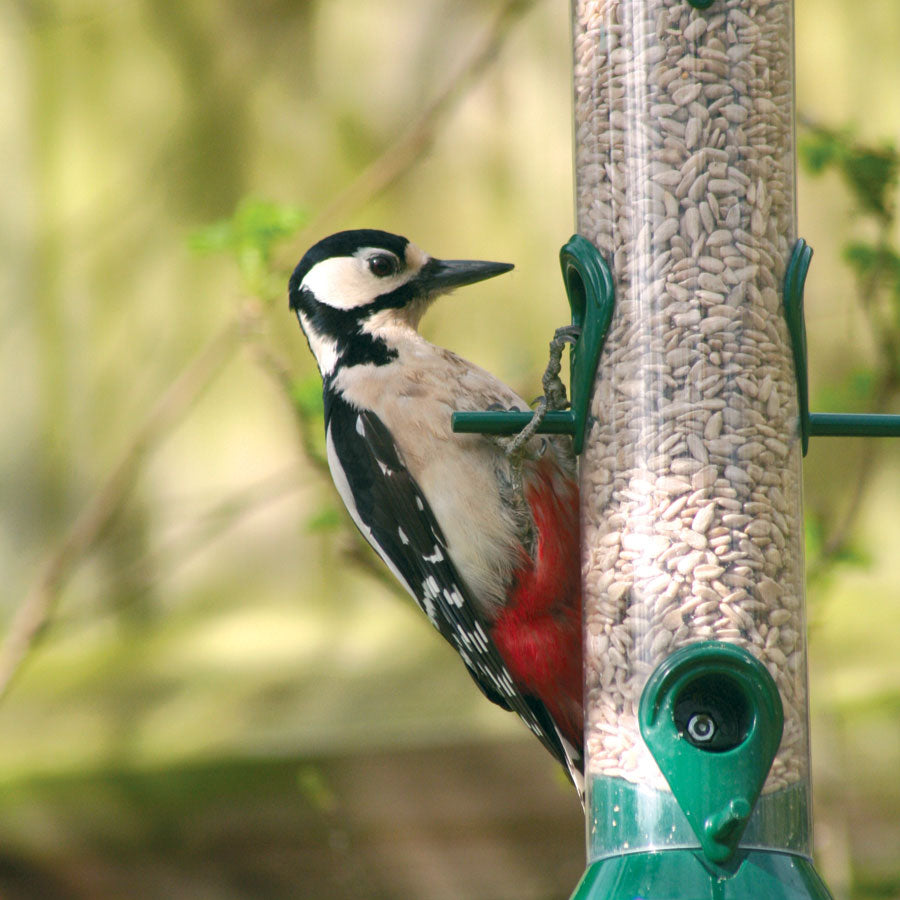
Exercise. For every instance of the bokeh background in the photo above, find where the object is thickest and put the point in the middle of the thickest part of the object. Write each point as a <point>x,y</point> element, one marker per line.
<point>210,690</point>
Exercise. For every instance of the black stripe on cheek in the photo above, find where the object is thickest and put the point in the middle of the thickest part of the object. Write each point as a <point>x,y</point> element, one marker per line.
<point>344,327</point>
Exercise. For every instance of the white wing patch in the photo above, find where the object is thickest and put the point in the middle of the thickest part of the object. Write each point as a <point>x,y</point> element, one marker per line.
<point>505,683</point>
<point>454,597</point>
<point>480,638</point>
<point>430,610</point>
<point>430,588</point>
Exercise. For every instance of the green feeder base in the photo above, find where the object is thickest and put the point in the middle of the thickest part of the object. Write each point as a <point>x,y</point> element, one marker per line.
<point>685,875</point>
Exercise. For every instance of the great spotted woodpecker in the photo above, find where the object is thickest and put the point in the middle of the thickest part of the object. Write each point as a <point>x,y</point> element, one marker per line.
<point>486,545</point>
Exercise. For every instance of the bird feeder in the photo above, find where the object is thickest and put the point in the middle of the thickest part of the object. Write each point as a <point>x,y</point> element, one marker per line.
<point>697,748</point>
<point>697,753</point>
<point>691,424</point>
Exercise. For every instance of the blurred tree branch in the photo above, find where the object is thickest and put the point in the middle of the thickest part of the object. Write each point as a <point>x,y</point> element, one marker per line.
<point>36,609</point>
<point>420,133</point>
<point>200,530</point>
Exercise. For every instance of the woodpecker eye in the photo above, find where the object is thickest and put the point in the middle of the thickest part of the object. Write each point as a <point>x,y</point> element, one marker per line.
<point>382,265</point>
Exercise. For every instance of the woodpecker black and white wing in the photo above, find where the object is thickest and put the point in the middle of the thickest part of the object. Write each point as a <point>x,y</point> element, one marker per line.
<point>393,515</point>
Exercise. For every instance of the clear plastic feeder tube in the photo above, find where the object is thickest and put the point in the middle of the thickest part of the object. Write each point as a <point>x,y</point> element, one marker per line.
<point>690,476</point>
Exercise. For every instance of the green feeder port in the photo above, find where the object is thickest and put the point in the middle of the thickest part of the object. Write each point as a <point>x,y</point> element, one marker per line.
<point>712,717</point>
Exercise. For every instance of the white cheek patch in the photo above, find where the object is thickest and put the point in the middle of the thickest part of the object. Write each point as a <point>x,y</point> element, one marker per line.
<point>345,282</point>
<point>339,282</point>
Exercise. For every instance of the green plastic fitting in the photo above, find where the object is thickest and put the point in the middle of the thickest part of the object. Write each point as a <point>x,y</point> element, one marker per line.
<point>820,424</point>
<point>687,875</point>
<point>591,295</point>
<point>712,718</point>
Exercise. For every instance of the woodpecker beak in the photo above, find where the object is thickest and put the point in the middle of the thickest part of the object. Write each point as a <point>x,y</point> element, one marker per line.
<point>439,275</point>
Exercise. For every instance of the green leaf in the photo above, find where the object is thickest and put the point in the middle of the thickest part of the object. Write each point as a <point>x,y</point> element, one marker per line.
<point>877,267</point>
<point>814,533</point>
<point>215,238</point>
<point>895,303</point>
<point>249,236</point>
<point>862,258</point>
<point>256,224</point>
<point>315,789</point>
<point>817,151</point>
<point>855,556</point>
<point>871,172</point>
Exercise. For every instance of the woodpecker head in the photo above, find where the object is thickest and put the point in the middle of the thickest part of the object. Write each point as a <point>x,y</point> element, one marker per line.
<point>353,289</point>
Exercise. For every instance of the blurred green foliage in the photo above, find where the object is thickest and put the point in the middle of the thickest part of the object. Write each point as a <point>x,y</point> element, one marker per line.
<point>222,651</point>
<point>870,172</point>
<point>840,548</point>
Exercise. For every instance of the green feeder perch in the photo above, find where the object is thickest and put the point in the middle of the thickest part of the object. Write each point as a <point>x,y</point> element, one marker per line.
<point>821,424</point>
